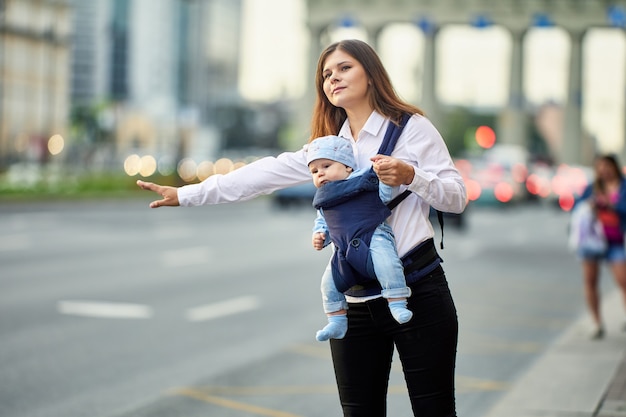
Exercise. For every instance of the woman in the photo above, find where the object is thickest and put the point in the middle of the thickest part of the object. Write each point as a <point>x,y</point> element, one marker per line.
<point>607,197</point>
<point>355,100</point>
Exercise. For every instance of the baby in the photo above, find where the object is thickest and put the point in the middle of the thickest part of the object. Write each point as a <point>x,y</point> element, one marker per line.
<point>331,159</point>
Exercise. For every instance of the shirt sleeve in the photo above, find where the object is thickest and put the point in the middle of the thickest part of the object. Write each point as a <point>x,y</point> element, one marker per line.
<point>587,193</point>
<point>320,224</point>
<point>436,179</point>
<point>385,192</point>
<point>260,177</point>
<point>620,206</point>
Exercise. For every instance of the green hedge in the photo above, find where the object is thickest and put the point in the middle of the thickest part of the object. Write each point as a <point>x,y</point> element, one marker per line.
<point>101,185</point>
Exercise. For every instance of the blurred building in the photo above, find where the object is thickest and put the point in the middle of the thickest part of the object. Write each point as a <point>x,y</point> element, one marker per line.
<point>115,77</point>
<point>91,51</point>
<point>154,70</point>
<point>34,75</point>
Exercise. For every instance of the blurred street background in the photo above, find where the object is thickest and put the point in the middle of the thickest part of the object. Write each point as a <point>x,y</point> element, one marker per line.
<point>95,94</point>
<point>110,309</point>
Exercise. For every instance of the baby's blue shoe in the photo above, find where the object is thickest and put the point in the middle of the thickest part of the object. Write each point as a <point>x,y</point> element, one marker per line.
<point>400,312</point>
<point>335,329</point>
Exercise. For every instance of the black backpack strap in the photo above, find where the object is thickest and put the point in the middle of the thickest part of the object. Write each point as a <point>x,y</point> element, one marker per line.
<point>398,199</point>
<point>440,218</point>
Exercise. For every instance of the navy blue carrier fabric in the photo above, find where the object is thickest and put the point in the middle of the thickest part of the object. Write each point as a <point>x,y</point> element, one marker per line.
<point>353,209</point>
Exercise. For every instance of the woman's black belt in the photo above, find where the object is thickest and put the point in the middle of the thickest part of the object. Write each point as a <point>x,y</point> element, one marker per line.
<point>417,263</point>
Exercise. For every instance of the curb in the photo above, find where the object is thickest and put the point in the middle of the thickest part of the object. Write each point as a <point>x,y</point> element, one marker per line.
<point>575,374</point>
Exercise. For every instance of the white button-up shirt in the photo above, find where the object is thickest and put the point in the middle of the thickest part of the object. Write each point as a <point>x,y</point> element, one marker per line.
<point>436,183</point>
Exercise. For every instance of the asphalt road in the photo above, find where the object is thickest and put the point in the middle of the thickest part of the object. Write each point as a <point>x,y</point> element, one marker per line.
<point>113,309</point>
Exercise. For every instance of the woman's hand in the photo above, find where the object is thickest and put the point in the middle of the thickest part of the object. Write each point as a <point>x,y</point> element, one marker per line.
<point>169,194</point>
<point>392,171</point>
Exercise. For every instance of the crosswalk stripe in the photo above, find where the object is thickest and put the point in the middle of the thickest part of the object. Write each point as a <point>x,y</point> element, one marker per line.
<point>103,309</point>
<point>223,308</point>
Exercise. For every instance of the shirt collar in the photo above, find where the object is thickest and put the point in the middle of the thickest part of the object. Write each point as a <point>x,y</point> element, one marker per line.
<point>372,126</point>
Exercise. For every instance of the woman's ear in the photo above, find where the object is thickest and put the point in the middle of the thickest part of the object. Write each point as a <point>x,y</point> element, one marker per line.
<point>349,169</point>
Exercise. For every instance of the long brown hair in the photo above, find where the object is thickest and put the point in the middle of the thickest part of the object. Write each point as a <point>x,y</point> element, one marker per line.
<point>610,159</point>
<point>327,119</point>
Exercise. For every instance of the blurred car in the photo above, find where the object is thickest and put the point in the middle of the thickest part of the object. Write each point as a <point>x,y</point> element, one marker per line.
<point>298,195</point>
<point>496,176</point>
<point>559,185</point>
<point>490,183</point>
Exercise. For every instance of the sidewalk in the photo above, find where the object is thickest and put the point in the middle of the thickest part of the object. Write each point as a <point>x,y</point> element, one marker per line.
<point>576,376</point>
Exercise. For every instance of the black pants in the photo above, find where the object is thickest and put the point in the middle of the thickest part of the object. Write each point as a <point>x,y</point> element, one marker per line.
<point>426,347</point>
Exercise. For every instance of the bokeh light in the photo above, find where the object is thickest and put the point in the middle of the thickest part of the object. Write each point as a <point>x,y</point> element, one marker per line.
<point>485,137</point>
<point>142,165</point>
<point>473,189</point>
<point>187,169</point>
<point>537,185</point>
<point>223,166</point>
<point>132,165</point>
<point>148,165</point>
<point>205,170</point>
<point>503,192</point>
<point>566,201</point>
<point>56,143</point>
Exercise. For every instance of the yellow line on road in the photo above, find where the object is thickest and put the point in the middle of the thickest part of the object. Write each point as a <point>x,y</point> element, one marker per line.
<point>463,383</point>
<point>234,405</point>
<point>268,390</point>
<point>466,384</point>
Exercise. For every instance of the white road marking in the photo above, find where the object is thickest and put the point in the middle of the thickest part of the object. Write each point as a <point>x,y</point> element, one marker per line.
<point>103,309</point>
<point>14,242</point>
<point>224,308</point>
<point>188,256</point>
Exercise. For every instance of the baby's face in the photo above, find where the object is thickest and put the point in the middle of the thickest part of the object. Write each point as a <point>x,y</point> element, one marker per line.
<point>325,170</point>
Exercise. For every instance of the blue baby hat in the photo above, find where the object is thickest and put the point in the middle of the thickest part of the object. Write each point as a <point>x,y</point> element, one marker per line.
<point>334,148</point>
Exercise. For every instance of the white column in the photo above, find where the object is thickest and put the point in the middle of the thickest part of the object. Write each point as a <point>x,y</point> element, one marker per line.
<point>373,35</point>
<point>513,121</point>
<point>429,102</point>
<point>572,141</point>
<point>306,103</point>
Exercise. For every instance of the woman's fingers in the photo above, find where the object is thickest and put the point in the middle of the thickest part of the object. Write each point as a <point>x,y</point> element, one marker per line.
<point>169,194</point>
<point>392,171</point>
<point>147,185</point>
<point>157,203</point>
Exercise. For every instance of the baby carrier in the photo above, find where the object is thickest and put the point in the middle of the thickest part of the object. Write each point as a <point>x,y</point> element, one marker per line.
<point>353,210</point>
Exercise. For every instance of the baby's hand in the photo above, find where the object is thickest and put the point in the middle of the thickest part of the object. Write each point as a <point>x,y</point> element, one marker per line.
<point>318,240</point>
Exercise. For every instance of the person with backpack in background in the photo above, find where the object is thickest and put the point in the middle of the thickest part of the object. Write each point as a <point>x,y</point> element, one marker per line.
<point>356,100</point>
<point>606,199</point>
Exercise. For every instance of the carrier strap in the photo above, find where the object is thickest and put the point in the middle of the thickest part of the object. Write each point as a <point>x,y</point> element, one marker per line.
<point>389,143</point>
